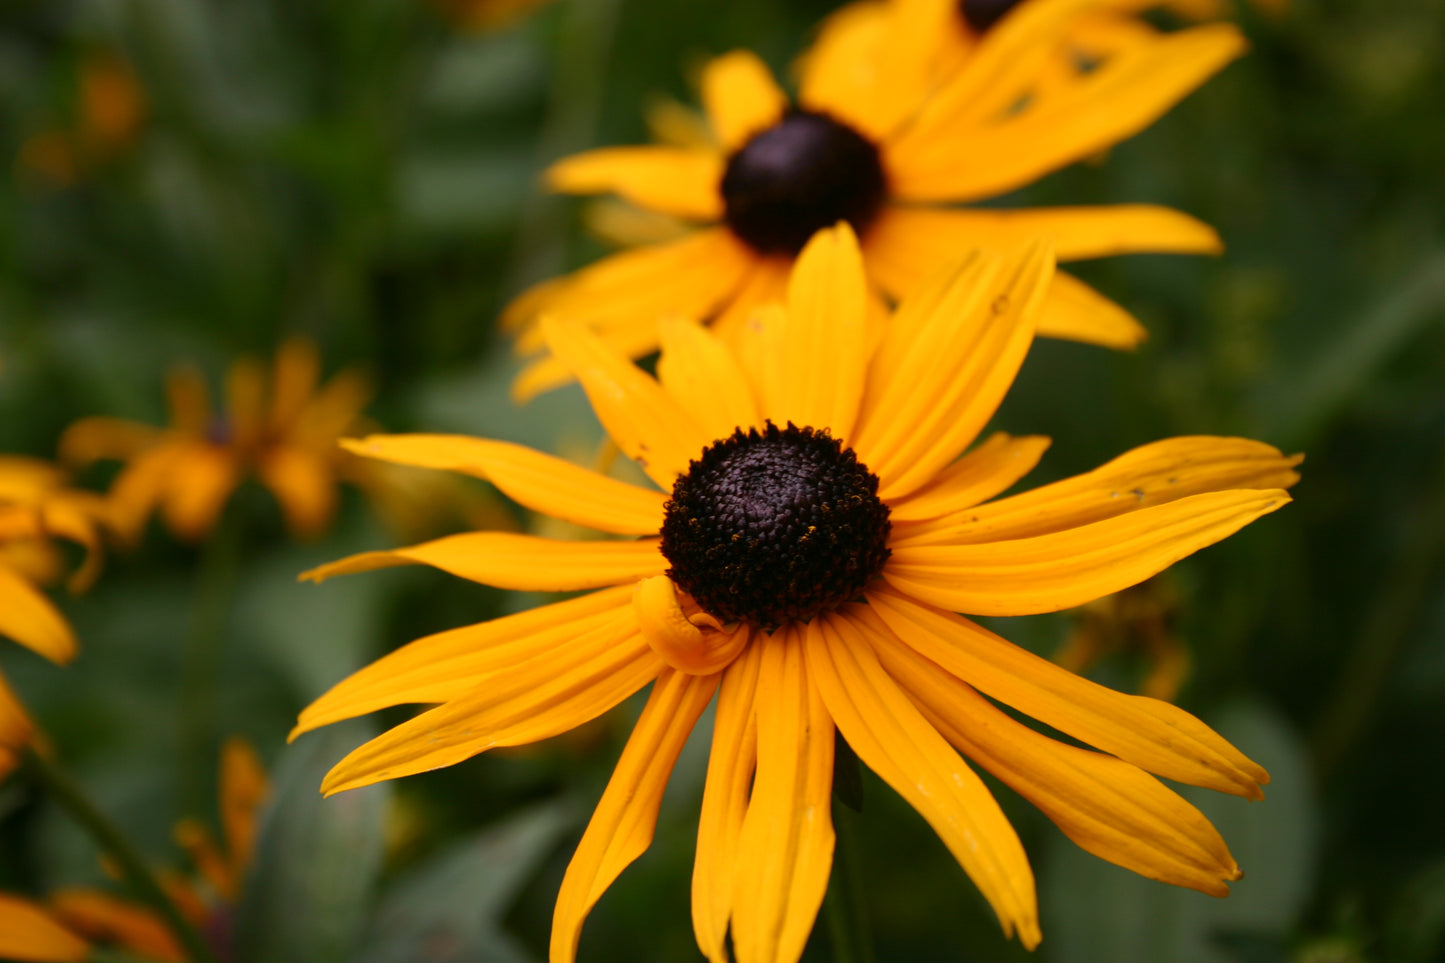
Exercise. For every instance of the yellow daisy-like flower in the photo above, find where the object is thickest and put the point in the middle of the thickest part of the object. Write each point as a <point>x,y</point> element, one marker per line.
<point>283,432</point>
<point>888,150</point>
<point>812,534</point>
<point>71,920</point>
<point>36,508</point>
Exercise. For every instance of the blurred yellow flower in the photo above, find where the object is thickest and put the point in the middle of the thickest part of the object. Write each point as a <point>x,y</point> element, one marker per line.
<point>110,112</point>
<point>282,430</point>
<point>72,919</point>
<point>884,145</point>
<point>36,508</point>
<point>807,576</point>
<point>1137,621</point>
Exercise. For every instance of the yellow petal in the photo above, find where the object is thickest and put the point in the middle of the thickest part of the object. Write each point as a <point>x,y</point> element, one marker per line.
<point>730,765</point>
<point>30,618</point>
<point>332,412</point>
<point>622,824</point>
<point>765,286</point>
<point>15,725</point>
<point>872,64</point>
<point>1153,474</point>
<point>785,847</point>
<point>445,666</point>
<point>922,240</point>
<point>294,377</point>
<point>741,98</point>
<point>705,379</point>
<point>201,479</point>
<point>898,744</point>
<point>1107,806</point>
<point>188,400</point>
<point>1073,311</point>
<point>526,703</point>
<point>688,278</point>
<point>304,484</point>
<point>29,933</point>
<point>1153,735</point>
<point>978,476</point>
<point>105,919</point>
<point>1062,569</point>
<point>686,646</point>
<point>940,159</point>
<point>244,789</point>
<point>639,415</point>
<point>944,365</point>
<point>93,439</point>
<point>246,402</point>
<point>75,517</point>
<point>138,488</point>
<point>684,183</point>
<point>817,358</point>
<point>195,839</point>
<point>541,482</point>
<point>523,562</point>
<point>546,372</point>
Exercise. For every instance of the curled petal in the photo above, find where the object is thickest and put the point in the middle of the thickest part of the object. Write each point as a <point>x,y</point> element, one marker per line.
<point>696,649</point>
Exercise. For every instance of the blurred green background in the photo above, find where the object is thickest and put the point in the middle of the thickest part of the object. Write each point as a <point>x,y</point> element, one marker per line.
<point>365,173</point>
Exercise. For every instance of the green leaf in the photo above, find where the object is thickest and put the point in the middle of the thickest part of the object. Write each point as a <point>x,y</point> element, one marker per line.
<point>448,910</point>
<point>307,896</point>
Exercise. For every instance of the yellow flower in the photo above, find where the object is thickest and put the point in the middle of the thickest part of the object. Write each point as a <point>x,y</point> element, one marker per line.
<point>886,149</point>
<point>1138,621</point>
<point>73,919</point>
<point>812,533</point>
<point>35,509</point>
<point>109,115</point>
<point>284,433</point>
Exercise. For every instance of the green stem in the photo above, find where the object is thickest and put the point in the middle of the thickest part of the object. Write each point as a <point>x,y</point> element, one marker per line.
<point>70,797</point>
<point>215,588</point>
<point>845,907</point>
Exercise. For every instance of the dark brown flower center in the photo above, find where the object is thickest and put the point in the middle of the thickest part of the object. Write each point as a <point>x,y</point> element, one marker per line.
<point>980,15</point>
<point>775,526</point>
<point>806,172</point>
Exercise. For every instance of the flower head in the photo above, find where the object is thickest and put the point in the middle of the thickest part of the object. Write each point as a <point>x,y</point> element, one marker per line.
<point>813,531</point>
<point>282,431</point>
<point>36,509</point>
<point>880,139</point>
<point>64,928</point>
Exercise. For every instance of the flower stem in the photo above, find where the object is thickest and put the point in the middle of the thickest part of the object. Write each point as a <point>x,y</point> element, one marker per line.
<point>70,797</point>
<point>844,906</point>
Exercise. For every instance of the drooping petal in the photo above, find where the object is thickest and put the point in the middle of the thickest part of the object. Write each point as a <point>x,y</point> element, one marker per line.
<point>817,358</point>
<point>684,183</point>
<point>139,487</point>
<point>31,619</point>
<point>444,666</point>
<point>507,560</point>
<point>1073,311</point>
<point>730,767</point>
<point>1107,806</point>
<point>244,789</point>
<point>1048,573</point>
<point>640,416</point>
<point>201,478</point>
<point>528,702</point>
<point>705,379</point>
<point>698,644</point>
<point>543,483</point>
<point>741,98</point>
<point>1152,474</point>
<point>785,846</point>
<point>74,515</point>
<point>944,365</point>
<point>976,477</point>
<point>105,919</point>
<point>897,743</point>
<point>29,932</point>
<point>622,825</point>
<point>939,159</point>
<point>304,484</point>
<point>1153,735</point>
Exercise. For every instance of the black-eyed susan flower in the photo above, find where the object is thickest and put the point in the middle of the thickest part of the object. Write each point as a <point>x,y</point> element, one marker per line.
<point>36,509</point>
<point>282,431</point>
<point>70,921</point>
<point>813,532</point>
<point>890,151</point>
